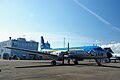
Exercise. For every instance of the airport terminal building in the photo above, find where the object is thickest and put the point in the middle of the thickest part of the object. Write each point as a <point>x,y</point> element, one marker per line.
<point>19,43</point>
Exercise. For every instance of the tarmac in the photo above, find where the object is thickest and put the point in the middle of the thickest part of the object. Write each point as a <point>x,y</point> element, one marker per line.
<point>42,70</point>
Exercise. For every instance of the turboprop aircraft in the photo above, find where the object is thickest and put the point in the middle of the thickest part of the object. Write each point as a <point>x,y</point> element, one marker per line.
<point>69,53</point>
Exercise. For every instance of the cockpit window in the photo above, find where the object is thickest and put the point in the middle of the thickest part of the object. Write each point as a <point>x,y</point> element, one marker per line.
<point>99,48</point>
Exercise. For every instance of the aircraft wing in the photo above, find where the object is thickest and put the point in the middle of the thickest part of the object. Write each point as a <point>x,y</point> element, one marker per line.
<point>53,57</point>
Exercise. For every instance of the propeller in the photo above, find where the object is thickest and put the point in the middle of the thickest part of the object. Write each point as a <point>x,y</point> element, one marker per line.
<point>66,53</point>
<point>109,53</point>
<point>68,49</point>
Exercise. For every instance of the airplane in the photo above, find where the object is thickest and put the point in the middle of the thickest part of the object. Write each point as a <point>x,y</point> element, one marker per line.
<point>114,56</point>
<point>69,53</point>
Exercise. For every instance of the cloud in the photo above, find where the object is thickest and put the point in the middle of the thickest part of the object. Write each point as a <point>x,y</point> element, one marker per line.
<point>97,16</point>
<point>114,46</point>
<point>118,29</point>
<point>97,41</point>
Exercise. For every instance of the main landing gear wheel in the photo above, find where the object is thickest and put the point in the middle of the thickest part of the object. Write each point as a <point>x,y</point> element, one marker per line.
<point>76,62</point>
<point>53,62</point>
<point>68,61</point>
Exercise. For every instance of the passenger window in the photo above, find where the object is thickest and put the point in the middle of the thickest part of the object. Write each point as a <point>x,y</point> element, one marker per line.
<point>101,54</point>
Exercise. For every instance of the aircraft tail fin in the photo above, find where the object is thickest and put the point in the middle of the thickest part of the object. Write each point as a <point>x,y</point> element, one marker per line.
<point>44,45</point>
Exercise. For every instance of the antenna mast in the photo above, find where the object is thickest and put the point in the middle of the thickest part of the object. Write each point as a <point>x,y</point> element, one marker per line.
<point>64,43</point>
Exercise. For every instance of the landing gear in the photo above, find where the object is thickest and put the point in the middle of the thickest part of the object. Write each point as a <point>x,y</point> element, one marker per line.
<point>76,62</point>
<point>68,61</point>
<point>98,62</point>
<point>53,62</point>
